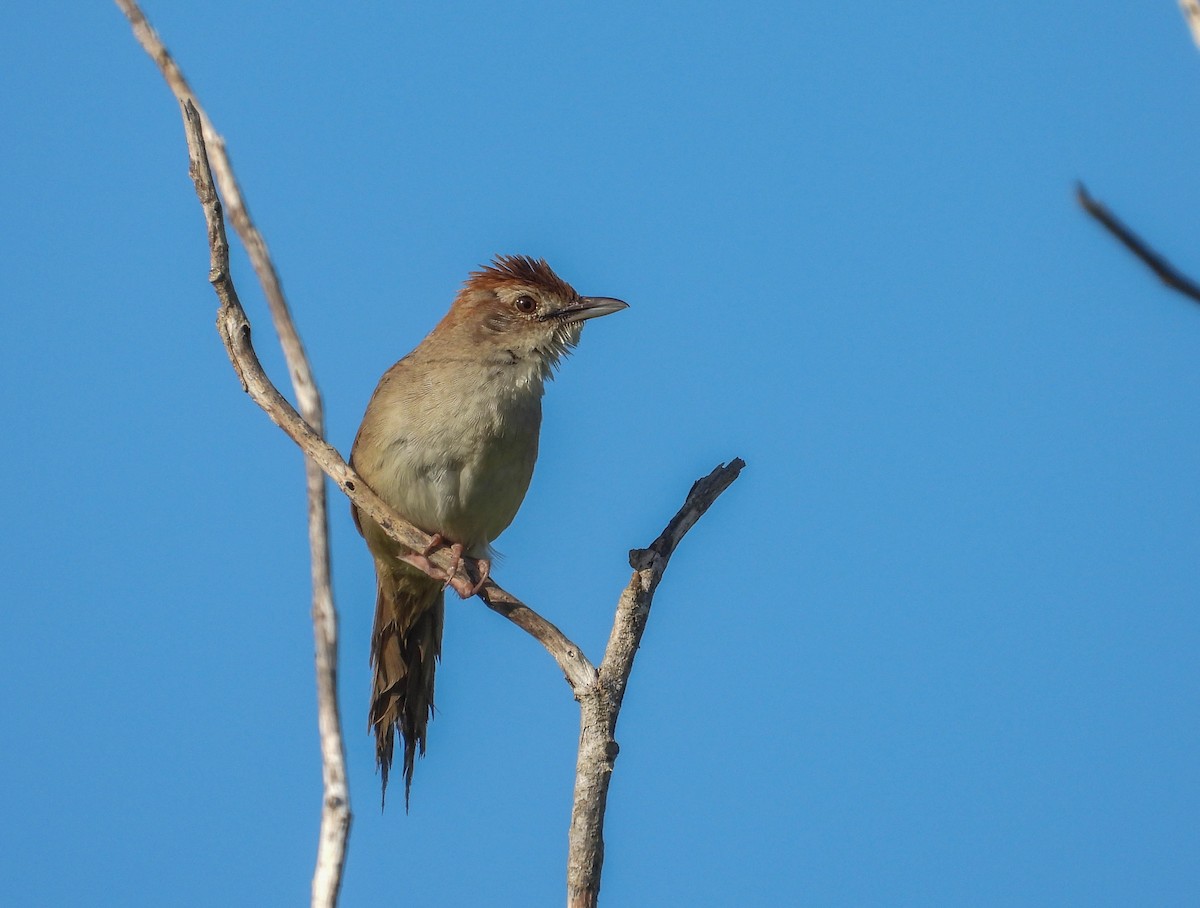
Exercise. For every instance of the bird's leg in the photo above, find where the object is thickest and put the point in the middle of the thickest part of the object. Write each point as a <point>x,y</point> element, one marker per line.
<point>420,560</point>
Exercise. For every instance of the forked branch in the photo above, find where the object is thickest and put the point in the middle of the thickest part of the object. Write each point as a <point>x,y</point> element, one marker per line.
<point>600,702</point>
<point>600,692</point>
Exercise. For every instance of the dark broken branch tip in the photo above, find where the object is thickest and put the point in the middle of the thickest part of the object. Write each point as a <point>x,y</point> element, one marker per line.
<point>721,476</point>
<point>708,489</point>
<point>727,472</point>
<point>1089,204</point>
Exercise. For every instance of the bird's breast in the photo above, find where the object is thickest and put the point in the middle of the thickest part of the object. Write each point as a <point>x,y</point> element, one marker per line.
<point>454,451</point>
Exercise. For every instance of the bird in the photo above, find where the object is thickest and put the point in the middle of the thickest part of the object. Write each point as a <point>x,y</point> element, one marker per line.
<point>449,440</point>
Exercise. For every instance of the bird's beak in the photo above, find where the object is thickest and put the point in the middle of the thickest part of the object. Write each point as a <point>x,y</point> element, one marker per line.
<point>590,307</point>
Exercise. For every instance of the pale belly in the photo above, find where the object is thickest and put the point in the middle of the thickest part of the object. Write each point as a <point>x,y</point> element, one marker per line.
<point>464,474</point>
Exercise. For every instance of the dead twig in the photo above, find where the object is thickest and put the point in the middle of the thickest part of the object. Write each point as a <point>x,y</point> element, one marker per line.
<point>1167,273</point>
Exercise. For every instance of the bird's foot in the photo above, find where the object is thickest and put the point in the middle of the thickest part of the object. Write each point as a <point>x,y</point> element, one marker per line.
<point>464,587</point>
<point>423,564</point>
<point>456,552</point>
<point>421,561</point>
<point>436,541</point>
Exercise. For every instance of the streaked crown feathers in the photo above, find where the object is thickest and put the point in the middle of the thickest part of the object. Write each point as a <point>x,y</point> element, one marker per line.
<point>506,270</point>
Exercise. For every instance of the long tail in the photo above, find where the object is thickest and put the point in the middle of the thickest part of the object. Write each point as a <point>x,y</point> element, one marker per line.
<point>405,646</point>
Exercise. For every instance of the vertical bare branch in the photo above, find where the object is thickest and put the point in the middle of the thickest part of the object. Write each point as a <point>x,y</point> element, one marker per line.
<point>335,815</point>
<point>600,703</point>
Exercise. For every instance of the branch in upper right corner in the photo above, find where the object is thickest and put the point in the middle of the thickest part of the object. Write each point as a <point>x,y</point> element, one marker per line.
<point>1167,273</point>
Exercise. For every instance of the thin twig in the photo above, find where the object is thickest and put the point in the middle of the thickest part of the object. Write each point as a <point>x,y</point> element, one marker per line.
<point>335,813</point>
<point>1167,273</point>
<point>600,703</point>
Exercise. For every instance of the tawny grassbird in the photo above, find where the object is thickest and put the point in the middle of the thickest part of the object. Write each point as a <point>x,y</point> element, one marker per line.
<point>449,440</point>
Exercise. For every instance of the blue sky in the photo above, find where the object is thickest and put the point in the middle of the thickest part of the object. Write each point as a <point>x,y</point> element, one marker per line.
<point>937,646</point>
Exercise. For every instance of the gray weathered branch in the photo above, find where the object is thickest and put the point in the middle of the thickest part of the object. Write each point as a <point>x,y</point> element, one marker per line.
<point>600,702</point>
<point>335,813</point>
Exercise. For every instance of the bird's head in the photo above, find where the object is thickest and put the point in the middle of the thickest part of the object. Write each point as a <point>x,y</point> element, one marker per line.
<point>518,307</point>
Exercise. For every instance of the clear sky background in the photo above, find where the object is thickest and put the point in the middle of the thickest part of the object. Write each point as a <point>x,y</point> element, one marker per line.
<point>937,646</point>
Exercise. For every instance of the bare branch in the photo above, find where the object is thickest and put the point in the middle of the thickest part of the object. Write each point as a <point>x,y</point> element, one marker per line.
<point>600,703</point>
<point>335,813</point>
<point>307,396</point>
<point>600,692</point>
<point>579,672</point>
<point>633,608</point>
<point>1167,273</point>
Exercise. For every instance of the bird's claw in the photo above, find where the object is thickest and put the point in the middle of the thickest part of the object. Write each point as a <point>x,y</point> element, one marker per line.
<point>435,542</point>
<point>485,572</point>
<point>456,553</point>
<point>464,587</point>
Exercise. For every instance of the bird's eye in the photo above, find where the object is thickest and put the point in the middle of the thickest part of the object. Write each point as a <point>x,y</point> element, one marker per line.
<point>525,304</point>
